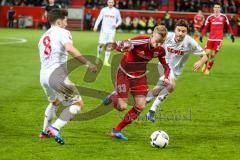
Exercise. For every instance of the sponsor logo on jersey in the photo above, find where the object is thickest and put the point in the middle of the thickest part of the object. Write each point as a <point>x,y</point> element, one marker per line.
<point>178,52</point>
<point>155,54</point>
<point>109,16</point>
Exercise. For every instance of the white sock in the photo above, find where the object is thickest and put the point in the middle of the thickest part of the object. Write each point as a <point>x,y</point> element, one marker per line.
<point>66,115</point>
<point>107,55</point>
<point>50,113</point>
<point>99,50</point>
<point>161,96</point>
<point>149,96</point>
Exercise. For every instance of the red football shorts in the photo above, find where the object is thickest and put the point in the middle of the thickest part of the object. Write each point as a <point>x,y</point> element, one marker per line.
<point>213,45</point>
<point>137,86</point>
<point>197,28</point>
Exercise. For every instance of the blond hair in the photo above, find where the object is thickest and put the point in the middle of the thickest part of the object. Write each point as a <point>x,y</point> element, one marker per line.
<point>161,30</point>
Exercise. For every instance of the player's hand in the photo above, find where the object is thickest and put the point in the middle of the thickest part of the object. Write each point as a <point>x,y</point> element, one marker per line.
<point>126,46</point>
<point>92,67</point>
<point>232,38</point>
<point>95,29</point>
<point>201,39</point>
<point>166,82</point>
<point>114,26</point>
<point>197,65</point>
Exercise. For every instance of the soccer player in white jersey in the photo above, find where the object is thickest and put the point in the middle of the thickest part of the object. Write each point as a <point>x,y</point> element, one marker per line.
<point>111,19</point>
<point>178,48</point>
<point>54,46</point>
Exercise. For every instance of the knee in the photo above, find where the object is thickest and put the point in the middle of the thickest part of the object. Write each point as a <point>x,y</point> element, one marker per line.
<point>80,104</point>
<point>122,107</point>
<point>171,88</point>
<point>56,102</point>
<point>140,107</point>
<point>109,46</point>
<point>155,91</point>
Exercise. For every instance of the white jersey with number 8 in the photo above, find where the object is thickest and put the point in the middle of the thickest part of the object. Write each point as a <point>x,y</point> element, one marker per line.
<point>51,48</point>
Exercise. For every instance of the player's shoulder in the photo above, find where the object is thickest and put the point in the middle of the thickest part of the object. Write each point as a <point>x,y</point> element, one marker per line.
<point>60,32</point>
<point>211,16</point>
<point>63,30</point>
<point>170,35</point>
<point>116,9</point>
<point>223,15</point>
<point>189,41</point>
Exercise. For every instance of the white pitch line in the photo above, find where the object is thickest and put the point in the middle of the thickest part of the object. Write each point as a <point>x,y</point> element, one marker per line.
<point>14,40</point>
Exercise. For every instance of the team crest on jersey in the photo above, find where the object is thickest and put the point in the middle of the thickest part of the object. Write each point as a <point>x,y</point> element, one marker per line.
<point>155,54</point>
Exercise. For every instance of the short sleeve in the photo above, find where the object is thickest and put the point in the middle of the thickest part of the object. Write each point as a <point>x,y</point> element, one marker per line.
<point>195,47</point>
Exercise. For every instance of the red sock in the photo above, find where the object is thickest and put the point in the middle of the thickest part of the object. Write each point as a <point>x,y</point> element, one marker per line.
<point>128,118</point>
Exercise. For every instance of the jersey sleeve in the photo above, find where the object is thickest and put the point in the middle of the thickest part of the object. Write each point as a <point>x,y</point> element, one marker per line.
<point>195,47</point>
<point>206,26</point>
<point>162,60</point>
<point>229,26</point>
<point>99,19</point>
<point>65,37</point>
<point>119,19</point>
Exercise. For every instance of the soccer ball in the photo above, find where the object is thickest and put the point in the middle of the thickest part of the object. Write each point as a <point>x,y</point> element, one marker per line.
<point>159,139</point>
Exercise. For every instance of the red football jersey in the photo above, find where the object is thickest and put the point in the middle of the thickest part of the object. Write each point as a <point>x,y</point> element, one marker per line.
<point>198,20</point>
<point>216,24</point>
<point>134,62</point>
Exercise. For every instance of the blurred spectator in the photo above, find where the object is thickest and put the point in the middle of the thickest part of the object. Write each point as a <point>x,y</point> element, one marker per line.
<point>151,22</point>
<point>129,4</point>
<point>50,6</point>
<point>143,5</point>
<point>142,25</point>
<point>127,24</point>
<point>88,20</point>
<point>152,5</point>
<point>167,18</point>
<point>135,24</point>
<point>238,23</point>
<point>44,22</point>
<point>88,3</point>
<point>11,16</point>
<point>123,4</point>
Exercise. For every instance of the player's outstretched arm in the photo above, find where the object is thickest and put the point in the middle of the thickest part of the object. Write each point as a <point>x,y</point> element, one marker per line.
<point>122,46</point>
<point>76,54</point>
<point>200,62</point>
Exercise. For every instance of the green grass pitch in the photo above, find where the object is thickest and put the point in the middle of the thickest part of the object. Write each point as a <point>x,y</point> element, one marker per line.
<point>202,117</point>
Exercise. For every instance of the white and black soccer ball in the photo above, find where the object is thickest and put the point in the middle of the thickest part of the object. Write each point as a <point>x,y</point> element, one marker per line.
<point>159,139</point>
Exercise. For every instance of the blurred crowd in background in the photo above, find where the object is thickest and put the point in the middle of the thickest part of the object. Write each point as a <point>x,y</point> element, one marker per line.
<point>229,6</point>
<point>142,24</point>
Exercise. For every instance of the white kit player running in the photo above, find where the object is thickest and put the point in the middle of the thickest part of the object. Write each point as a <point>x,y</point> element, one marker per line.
<point>54,46</point>
<point>111,19</point>
<point>178,47</point>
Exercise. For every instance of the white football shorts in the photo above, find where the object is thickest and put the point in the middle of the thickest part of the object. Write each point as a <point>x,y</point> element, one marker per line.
<point>56,85</point>
<point>106,38</point>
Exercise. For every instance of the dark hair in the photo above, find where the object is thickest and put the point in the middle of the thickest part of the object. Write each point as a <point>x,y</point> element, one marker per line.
<point>182,23</point>
<point>56,14</point>
<point>216,3</point>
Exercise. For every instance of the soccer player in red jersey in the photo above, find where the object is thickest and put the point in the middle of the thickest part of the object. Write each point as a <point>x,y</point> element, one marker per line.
<point>198,23</point>
<point>131,74</point>
<point>216,22</point>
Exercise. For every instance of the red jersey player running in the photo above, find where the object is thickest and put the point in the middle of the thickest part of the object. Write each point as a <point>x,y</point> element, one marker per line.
<point>198,23</point>
<point>131,74</point>
<point>216,22</point>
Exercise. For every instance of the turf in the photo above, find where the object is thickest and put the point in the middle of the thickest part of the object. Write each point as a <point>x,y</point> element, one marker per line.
<point>201,116</point>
